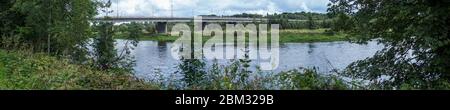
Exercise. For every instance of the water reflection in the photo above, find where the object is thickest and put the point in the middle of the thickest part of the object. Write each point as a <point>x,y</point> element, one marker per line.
<point>311,47</point>
<point>155,57</point>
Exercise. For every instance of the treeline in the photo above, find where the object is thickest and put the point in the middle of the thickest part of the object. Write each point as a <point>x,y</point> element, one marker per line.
<point>296,20</point>
<point>302,24</point>
<point>300,16</point>
<point>300,20</point>
<point>285,15</point>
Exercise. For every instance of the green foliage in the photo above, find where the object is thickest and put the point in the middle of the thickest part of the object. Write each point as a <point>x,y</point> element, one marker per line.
<point>326,24</point>
<point>53,26</point>
<point>12,42</point>
<point>299,16</point>
<point>308,79</point>
<point>237,75</point>
<point>286,36</point>
<point>25,71</point>
<point>10,20</point>
<point>292,36</point>
<point>311,23</point>
<point>300,20</point>
<point>149,28</point>
<point>193,72</point>
<point>245,15</point>
<point>245,67</point>
<point>105,54</point>
<point>22,70</point>
<point>416,38</point>
<point>134,32</point>
<point>342,22</point>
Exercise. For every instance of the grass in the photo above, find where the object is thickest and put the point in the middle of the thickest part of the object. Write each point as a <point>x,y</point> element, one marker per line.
<point>310,37</point>
<point>304,31</point>
<point>307,35</point>
<point>286,36</point>
<point>161,38</point>
<point>27,71</point>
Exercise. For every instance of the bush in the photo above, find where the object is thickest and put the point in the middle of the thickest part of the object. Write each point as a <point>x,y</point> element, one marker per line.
<point>309,79</point>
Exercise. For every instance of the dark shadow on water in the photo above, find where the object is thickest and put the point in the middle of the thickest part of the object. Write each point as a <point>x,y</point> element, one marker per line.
<point>311,47</point>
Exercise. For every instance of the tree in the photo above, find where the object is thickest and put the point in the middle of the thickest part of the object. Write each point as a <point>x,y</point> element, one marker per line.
<point>59,27</point>
<point>8,20</point>
<point>105,53</point>
<point>106,56</point>
<point>325,24</point>
<point>416,35</point>
<point>311,24</point>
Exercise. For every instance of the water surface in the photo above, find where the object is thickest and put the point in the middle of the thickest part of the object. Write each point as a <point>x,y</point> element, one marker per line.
<point>154,58</point>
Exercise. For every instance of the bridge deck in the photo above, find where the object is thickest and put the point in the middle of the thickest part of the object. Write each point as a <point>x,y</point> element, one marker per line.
<point>164,19</point>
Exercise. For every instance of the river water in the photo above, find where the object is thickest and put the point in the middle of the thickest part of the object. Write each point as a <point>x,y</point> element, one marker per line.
<point>154,58</point>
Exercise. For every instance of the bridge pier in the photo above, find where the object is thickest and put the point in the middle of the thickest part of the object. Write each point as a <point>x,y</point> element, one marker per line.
<point>232,23</point>
<point>161,27</point>
<point>204,24</point>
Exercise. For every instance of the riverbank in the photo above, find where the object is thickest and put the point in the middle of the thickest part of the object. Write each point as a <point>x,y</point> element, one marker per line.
<point>286,36</point>
<point>28,71</point>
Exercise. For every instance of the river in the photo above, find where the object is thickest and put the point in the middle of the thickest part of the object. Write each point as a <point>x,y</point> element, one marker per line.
<point>154,58</point>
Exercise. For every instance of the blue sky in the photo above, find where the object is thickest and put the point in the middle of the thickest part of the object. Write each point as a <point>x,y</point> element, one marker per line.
<point>184,8</point>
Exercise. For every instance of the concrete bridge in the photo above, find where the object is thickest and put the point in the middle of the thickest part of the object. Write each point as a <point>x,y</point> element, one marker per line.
<point>161,22</point>
<point>180,19</point>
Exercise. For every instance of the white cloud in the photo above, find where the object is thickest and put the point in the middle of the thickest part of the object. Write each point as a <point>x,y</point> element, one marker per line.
<point>305,7</point>
<point>183,8</point>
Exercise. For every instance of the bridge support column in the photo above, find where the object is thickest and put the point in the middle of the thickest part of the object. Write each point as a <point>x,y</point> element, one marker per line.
<point>161,27</point>
<point>204,24</point>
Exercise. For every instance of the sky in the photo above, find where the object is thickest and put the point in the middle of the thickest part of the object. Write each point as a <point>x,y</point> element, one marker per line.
<point>188,8</point>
